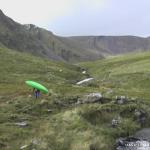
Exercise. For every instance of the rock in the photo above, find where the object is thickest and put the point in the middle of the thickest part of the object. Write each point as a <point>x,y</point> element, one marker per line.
<point>78,102</point>
<point>44,103</point>
<point>49,110</point>
<point>32,145</point>
<point>116,121</point>
<point>120,142</point>
<point>84,72</point>
<point>91,98</point>
<point>121,99</point>
<point>132,143</point>
<point>137,113</point>
<point>21,124</point>
<point>139,141</point>
<point>24,146</point>
<point>30,96</point>
<point>133,98</point>
<point>109,91</point>
<point>143,133</point>
<point>140,116</point>
<point>84,81</point>
<point>35,142</point>
<point>60,103</point>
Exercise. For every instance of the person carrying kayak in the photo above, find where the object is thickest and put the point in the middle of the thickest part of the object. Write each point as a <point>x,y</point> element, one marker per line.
<point>36,92</point>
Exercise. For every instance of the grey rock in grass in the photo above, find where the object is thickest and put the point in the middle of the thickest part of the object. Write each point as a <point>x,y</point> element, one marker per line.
<point>140,116</point>
<point>110,91</point>
<point>84,72</point>
<point>121,100</point>
<point>116,121</point>
<point>84,81</point>
<point>24,147</point>
<point>91,98</point>
<point>50,110</point>
<point>22,124</point>
<point>132,143</point>
<point>143,133</point>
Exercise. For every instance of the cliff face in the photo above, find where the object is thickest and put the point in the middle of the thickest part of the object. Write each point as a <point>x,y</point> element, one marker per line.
<point>114,44</point>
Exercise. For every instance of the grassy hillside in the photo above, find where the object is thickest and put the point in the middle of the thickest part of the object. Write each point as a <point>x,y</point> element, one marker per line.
<point>55,121</point>
<point>18,104</point>
<point>18,67</point>
<point>126,75</point>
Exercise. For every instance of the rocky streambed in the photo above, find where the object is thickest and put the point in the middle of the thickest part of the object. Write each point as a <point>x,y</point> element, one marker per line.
<point>139,141</point>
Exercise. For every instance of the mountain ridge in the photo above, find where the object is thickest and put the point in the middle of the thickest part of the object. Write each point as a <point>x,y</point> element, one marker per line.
<point>41,42</point>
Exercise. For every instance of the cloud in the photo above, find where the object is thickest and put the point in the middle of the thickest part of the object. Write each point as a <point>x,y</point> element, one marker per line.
<point>82,17</point>
<point>44,11</point>
<point>35,11</point>
<point>95,4</point>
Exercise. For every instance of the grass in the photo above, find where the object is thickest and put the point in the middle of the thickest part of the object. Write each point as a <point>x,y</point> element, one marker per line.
<point>69,126</point>
<point>126,75</point>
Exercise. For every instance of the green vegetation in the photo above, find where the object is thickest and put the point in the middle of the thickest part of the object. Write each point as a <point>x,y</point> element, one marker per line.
<point>54,121</point>
<point>127,75</point>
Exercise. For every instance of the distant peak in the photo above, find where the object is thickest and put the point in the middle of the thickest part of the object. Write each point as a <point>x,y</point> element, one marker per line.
<point>2,15</point>
<point>1,12</point>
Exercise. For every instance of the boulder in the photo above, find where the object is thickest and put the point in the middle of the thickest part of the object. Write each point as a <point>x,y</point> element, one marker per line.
<point>140,116</point>
<point>132,143</point>
<point>120,142</point>
<point>84,72</point>
<point>143,133</point>
<point>91,98</point>
<point>116,121</point>
<point>121,99</point>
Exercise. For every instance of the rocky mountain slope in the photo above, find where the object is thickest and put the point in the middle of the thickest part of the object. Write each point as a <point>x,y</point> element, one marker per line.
<point>113,44</point>
<point>41,42</point>
<point>38,41</point>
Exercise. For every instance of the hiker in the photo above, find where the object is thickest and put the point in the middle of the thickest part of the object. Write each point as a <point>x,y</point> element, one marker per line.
<point>36,92</point>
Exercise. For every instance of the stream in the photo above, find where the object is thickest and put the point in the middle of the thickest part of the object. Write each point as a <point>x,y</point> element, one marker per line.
<point>140,141</point>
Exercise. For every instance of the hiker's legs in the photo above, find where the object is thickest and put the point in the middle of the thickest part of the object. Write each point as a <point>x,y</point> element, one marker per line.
<point>36,94</point>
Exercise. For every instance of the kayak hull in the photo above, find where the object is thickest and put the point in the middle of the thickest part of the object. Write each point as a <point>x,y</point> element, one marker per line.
<point>37,86</point>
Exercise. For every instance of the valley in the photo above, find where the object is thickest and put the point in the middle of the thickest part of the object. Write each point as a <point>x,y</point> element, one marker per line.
<point>98,87</point>
<point>69,117</point>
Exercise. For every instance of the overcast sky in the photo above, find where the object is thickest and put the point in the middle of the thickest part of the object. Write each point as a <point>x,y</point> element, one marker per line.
<point>83,17</point>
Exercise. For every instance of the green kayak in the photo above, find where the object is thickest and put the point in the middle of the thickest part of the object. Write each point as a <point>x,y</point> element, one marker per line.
<point>37,86</point>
